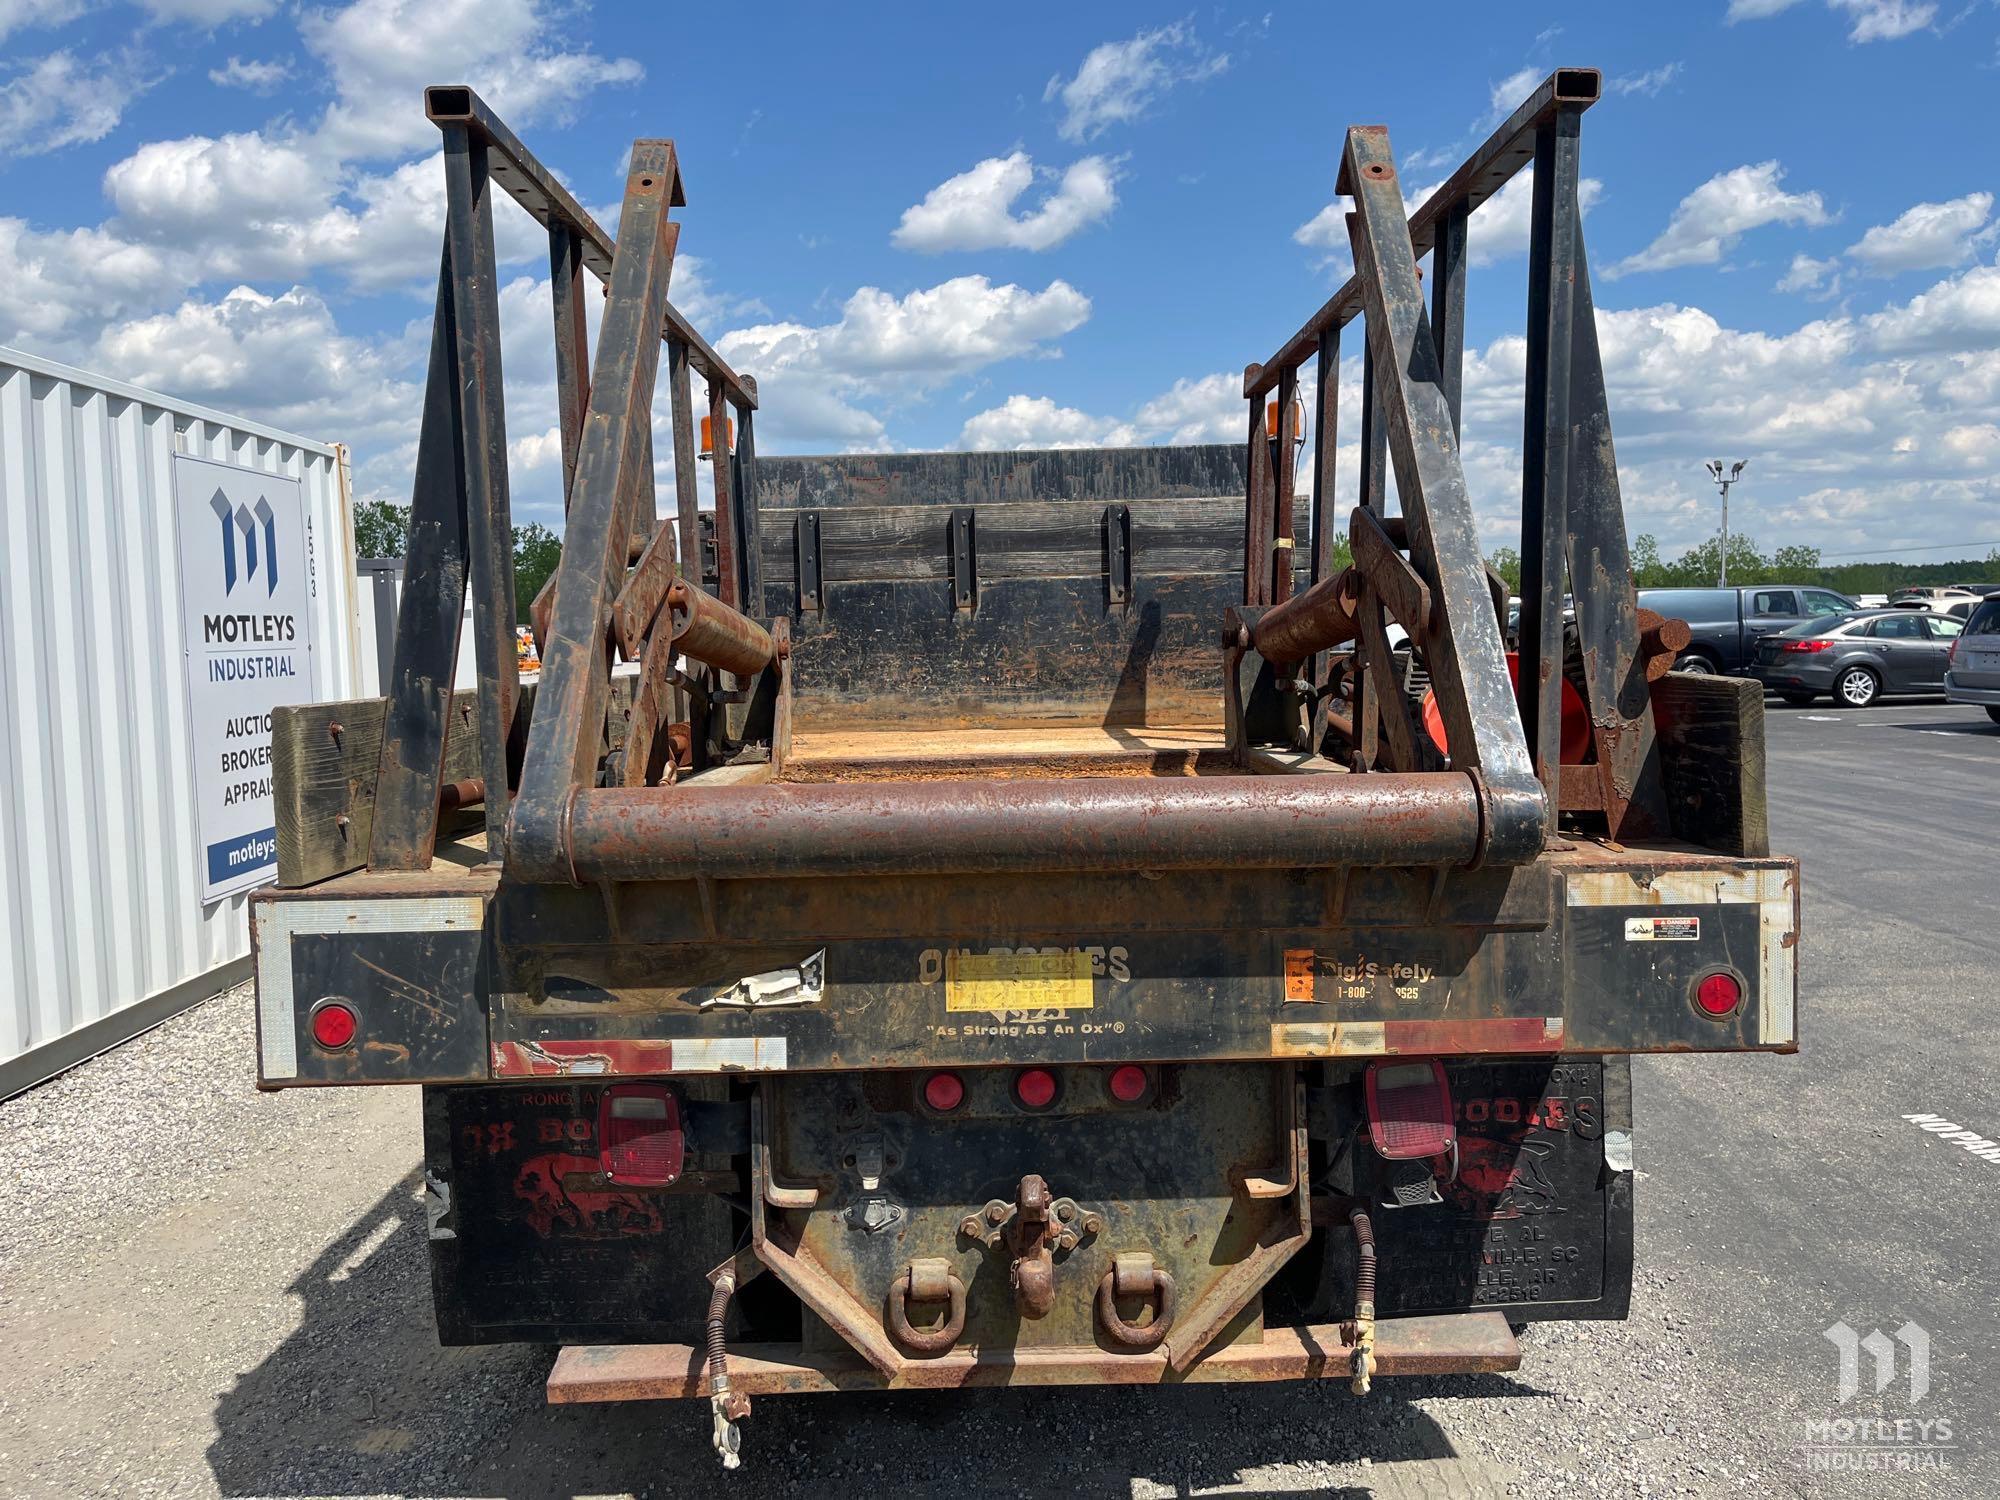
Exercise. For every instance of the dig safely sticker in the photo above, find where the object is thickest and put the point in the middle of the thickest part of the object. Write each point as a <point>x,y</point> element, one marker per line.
<point>1662,929</point>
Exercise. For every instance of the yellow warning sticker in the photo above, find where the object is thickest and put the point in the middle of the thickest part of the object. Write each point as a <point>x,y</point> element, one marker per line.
<point>1299,973</point>
<point>1017,981</point>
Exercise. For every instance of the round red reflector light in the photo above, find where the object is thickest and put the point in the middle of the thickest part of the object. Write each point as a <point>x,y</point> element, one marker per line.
<point>944,1092</point>
<point>333,1026</point>
<point>1036,1088</point>
<point>1128,1084</point>
<point>1719,994</point>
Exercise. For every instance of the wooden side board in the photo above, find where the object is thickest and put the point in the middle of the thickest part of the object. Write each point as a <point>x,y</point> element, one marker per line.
<point>1711,736</point>
<point>324,758</point>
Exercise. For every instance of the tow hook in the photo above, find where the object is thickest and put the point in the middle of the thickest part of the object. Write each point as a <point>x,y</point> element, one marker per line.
<point>1033,1227</point>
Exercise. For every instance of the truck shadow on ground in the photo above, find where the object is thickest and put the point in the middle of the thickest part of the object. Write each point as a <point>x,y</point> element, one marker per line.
<point>360,1399</point>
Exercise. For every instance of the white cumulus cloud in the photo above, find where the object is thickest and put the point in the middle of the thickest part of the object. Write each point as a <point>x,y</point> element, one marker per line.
<point>974,210</point>
<point>1925,237</point>
<point>1712,218</point>
<point>1119,81</point>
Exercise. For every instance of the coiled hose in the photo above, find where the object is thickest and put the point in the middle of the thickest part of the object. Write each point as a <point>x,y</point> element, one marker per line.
<point>725,1406</point>
<point>1362,1367</point>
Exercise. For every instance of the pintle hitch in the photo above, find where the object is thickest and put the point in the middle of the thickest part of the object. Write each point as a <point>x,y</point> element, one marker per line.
<point>1033,1227</point>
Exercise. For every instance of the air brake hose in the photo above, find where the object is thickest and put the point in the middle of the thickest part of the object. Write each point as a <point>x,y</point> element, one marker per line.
<point>724,1404</point>
<point>1363,1360</point>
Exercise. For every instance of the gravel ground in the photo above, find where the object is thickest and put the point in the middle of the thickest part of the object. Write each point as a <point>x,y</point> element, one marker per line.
<point>205,1290</point>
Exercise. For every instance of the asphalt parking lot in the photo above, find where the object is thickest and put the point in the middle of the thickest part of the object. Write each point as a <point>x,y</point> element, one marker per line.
<point>204,1290</point>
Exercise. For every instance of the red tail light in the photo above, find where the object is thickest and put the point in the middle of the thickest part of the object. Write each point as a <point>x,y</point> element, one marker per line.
<point>1805,647</point>
<point>1035,1088</point>
<point>334,1025</point>
<point>944,1092</point>
<point>1951,656</point>
<point>1128,1084</point>
<point>1718,995</point>
<point>1409,1109</point>
<point>639,1138</point>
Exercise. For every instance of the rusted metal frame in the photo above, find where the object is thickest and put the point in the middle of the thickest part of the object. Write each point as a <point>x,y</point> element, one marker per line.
<point>1283,528</point>
<point>1003,825</point>
<point>475,294</point>
<point>1620,653</point>
<point>572,345</point>
<point>743,485</point>
<point>1232,1291</point>
<point>644,592</point>
<point>568,729</point>
<point>1439,1344</point>
<point>778,1250</point>
<point>728,581</point>
<point>1326,431</point>
<point>548,202</point>
<point>1395,582</point>
<point>652,706</point>
<point>687,498</point>
<point>1448,307</point>
<point>1257,512</point>
<point>1374,482</point>
<point>1465,657</point>
<point>1386,703</point>
<point>418,716</point>
<point>1545,447</point>
<point>1482,174</point>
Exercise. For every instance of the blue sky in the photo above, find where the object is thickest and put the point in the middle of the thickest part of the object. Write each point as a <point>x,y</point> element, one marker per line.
<point>1028,225</point>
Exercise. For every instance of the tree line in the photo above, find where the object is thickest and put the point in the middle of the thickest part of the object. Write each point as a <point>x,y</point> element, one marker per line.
<point>1697,568</point>
<point>382,528</point>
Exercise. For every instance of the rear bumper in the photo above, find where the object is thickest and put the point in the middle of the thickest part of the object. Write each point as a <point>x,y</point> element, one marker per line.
<point>1451,1344</point>
<point>1958,691</point>
<point>1785,677</point>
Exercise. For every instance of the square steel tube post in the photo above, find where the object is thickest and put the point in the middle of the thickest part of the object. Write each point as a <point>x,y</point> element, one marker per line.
<point>567,736</point>
<point>1478,178</point>
<point>743,485</point>
<point>1284,527</point>
<point>417,721</point>
<point>1374,490</point>
<point>1257,509</point>
<point>1448,308</point>
<point>1545,443</point>
<point>687,497</point>
<point>728,581</point>
<point>1462,638</point>
<point>1629,774</point>
<point>475,294</point>
<point>1326,432</point>
<point>566,283</point>
<point>548,203</point>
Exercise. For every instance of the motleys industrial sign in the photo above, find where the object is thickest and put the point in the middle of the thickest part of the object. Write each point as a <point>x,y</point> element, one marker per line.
<point>246,592</point>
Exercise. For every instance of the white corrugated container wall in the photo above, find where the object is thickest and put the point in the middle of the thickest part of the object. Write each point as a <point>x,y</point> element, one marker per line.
<point>102,928</point>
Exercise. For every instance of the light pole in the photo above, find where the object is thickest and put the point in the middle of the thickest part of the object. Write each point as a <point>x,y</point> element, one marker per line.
<point>1723,484</point>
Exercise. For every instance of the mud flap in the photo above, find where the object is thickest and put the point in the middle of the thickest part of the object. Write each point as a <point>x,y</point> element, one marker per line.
<point>527,1246</point>
<point>1537,1222</point>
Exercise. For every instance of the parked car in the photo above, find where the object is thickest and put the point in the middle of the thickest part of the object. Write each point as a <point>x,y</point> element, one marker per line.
<point>1858,657</point>
<point>1727,623</point>
<point>1939,597</point>
<point>1972,672</point>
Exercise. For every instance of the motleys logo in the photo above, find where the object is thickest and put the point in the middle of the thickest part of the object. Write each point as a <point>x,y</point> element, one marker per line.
<point>1883,1354</point>
<point>250,522</point>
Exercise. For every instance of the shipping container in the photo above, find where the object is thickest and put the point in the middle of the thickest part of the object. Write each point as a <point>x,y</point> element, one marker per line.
<point>103,931</point>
